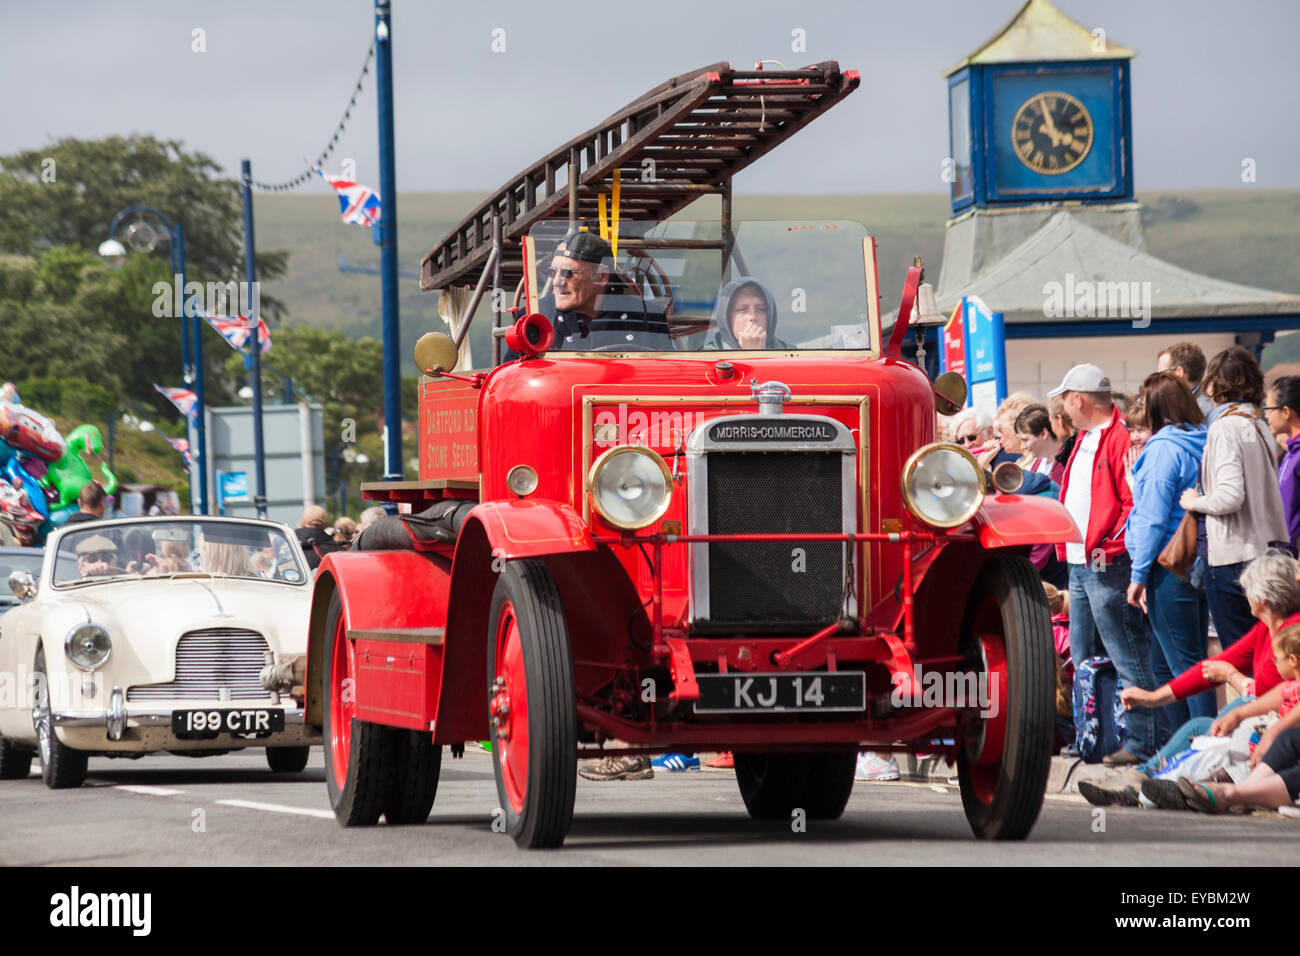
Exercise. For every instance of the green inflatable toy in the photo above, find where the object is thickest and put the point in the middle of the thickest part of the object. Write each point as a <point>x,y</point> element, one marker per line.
<point>69,474</point>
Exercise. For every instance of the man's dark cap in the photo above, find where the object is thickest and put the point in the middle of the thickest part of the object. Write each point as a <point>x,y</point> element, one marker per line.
<point>586,247</point>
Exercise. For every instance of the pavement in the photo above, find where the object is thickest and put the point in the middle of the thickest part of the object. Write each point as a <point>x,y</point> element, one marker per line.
<point>1063,778</point>
<point>231,810</point>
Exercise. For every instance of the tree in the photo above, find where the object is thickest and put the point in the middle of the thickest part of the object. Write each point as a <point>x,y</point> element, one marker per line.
<point>62,312</point>
<point>67,194</point>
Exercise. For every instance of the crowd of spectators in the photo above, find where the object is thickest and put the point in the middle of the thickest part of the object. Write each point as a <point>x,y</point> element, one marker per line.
<point>1187,496</point>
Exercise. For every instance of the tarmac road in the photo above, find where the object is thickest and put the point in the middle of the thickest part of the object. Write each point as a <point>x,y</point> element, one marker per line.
<point>231,810</point>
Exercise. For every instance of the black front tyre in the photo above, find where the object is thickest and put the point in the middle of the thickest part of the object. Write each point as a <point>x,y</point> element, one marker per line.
<point>532,705</point>
<point>1006,754</point>
<point>61,766</point>
<point>287,759</point>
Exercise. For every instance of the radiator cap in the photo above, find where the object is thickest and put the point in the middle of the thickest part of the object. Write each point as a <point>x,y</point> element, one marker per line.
<point>771,396</point>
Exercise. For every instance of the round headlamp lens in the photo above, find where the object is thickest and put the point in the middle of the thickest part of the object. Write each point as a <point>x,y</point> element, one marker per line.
<point>943,485</point>
<point>88,646</point>
<point>521,480</point>
<point>630,486</point>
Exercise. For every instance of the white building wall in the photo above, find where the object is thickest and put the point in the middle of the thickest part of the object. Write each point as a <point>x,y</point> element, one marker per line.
<point>1038,365</point>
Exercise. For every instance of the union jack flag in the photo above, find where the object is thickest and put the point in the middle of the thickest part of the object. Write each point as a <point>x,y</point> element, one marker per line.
<point>182,398</point>
<point>235,329</point>
<point>182,446</point>
<point>358,204</point>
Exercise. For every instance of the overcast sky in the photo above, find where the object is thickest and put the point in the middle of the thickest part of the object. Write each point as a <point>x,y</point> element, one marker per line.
<point>1214,81</point>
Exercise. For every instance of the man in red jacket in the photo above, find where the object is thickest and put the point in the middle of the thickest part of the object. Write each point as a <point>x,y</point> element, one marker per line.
<point>1097,495</point>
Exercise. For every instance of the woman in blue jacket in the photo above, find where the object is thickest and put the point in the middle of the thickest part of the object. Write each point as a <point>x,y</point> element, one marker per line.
<point>1169,464</point>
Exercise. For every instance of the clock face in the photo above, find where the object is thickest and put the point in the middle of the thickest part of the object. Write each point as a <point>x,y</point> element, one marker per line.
<point>1052,133</point>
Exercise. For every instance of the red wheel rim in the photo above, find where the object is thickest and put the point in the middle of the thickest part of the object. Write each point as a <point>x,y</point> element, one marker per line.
<point>343,706</point>
<point>508,707</point>
<point>987,737</point>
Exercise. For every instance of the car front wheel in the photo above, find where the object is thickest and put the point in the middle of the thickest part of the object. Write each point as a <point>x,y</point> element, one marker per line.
<point>287,759</point>
<point>61,766</point>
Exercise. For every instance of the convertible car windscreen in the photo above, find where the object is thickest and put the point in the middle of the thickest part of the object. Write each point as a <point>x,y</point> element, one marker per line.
<point>163,548</point>
<point>690,286</point>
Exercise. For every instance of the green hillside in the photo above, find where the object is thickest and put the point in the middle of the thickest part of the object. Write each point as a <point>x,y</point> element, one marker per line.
<point>1242,235</point>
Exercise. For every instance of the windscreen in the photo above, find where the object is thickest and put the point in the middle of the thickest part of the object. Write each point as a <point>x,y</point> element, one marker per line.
<point>176,546</point>
<point>694,286</point>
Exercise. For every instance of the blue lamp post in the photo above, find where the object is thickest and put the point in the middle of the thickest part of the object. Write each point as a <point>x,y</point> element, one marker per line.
<point>114,254</point>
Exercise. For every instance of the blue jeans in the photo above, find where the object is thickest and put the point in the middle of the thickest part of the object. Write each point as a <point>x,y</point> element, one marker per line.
<point>1100,614</point>
<point>1228,605</point>
<point>1180,619</point>
<point>1182,738</point>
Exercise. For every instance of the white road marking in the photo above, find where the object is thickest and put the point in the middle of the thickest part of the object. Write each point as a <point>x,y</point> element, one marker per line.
<point>150,791</point>
<point>278,808</point>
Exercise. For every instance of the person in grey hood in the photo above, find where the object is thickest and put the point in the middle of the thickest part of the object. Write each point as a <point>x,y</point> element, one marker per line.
<point>744,317</point>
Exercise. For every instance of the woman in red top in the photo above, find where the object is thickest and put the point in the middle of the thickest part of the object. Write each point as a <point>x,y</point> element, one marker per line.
<point>1270,585</point>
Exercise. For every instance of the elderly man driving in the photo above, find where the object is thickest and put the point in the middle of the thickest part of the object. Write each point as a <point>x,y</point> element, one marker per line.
<point>97,557</point>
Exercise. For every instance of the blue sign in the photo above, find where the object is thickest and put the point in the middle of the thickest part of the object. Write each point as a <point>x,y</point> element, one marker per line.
<point>986,354</point>
<point>234,486</point>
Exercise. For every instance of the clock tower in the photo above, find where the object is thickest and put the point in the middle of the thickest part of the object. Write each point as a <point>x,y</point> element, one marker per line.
<point>1045,231</point>
<point>1039,120</point>
<point>1041,113</point>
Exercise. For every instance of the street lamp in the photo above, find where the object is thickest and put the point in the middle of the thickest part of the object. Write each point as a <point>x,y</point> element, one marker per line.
<point>246,393</point>
<point>344,452</point>
<point>143,238</point>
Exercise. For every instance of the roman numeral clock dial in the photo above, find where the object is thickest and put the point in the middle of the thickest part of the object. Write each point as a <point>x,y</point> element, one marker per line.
<point>1052,133</point>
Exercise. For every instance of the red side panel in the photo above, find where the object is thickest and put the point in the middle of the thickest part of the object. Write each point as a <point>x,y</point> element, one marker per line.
<point>389,588</point>
<point>520,528</point>
<point>1010,520</point>
<point>397,683</point>
<point>448,429</point>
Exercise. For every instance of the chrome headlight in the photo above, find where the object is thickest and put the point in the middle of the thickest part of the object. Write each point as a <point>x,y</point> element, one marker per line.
<point>943,485</point>
<point>630,486</point>
<point>88,646</point>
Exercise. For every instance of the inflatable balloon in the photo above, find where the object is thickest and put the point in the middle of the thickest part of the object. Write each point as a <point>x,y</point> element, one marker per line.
<point>30,432</point>
<point>20,479</point>
<point>15,505</point>
<point>70,473</point>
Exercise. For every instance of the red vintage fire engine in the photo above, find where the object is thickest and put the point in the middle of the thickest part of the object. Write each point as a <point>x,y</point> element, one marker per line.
<point>664,531</point>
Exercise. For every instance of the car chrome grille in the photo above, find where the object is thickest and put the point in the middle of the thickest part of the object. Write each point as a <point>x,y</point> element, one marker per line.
<point>220,663</point>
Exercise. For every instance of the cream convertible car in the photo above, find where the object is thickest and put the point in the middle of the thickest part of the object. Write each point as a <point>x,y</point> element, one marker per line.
<point>150,634</point>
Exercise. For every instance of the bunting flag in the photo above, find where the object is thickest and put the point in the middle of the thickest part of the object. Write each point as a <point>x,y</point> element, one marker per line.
<point>235,329</point>
<point>182,398</point>
<point>182,446</point>
<point>358,205</point>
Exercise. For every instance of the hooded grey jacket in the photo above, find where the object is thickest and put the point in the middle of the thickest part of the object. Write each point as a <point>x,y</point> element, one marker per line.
<point>720,335</point>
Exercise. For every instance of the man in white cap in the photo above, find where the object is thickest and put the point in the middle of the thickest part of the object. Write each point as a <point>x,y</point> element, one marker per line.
<point>1098,497</point>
